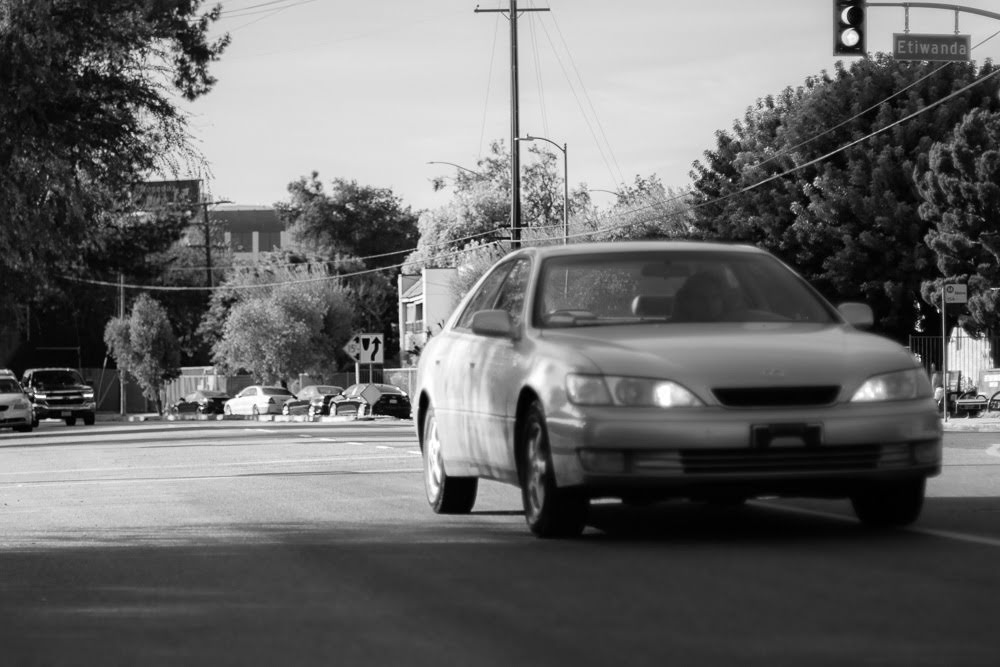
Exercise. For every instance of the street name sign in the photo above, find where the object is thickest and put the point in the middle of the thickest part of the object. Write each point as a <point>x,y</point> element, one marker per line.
<point>956,293</point>
<point>912,46</point>
<point>366,348</point>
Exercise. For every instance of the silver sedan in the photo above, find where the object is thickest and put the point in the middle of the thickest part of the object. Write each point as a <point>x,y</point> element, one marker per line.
<point>655,370</point>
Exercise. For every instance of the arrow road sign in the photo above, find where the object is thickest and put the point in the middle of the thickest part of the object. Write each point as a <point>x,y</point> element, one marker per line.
<point>366,348</point>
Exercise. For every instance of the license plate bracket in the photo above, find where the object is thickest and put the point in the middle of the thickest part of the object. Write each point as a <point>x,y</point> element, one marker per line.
<point>764,436</point>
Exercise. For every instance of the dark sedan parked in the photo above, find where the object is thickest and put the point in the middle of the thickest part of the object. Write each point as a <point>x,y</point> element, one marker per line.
<point>201,402</point>
<point>368,399</point>
<point>312,400</point>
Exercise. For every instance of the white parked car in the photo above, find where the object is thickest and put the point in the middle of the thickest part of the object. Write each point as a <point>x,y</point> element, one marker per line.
<point>15,407</point>
<point>258,399</point>
<point>654,370</point>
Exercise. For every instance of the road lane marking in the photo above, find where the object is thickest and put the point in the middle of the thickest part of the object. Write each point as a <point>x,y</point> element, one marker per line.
<point>945,534</point>
<point>182,466</point>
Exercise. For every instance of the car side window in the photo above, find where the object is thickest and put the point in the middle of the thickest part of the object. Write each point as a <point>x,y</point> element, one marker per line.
<point>484,297</point>
<point>511,297</point>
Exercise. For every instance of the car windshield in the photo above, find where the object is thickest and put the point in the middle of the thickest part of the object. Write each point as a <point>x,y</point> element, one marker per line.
<point>275,391</point>
<point>57,377</point>
<point>8,386</point>
<point>673,286</point>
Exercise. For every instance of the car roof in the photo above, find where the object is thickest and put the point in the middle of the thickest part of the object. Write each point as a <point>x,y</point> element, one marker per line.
<point>599,247</point>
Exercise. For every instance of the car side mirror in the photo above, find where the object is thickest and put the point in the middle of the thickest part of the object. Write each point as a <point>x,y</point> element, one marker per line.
<point>496,323</point>
<point>857,314</point>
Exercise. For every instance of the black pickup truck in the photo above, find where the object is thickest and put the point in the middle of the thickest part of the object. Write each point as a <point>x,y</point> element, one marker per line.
<point>59,393</point>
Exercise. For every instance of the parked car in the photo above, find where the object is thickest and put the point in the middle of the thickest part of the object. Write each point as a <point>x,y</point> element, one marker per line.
<point>15,407</point>
<point>645,371</point>
<point>372,399</point>
<point>60,393</point>
<point>200,402</point>
<point>256,400</point>
<point>312,400</point>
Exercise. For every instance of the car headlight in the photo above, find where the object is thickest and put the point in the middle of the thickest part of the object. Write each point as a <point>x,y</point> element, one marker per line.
<point>897,386</point>
<point>40,395</point>
<point>627,391</point>
<point>89,395</point>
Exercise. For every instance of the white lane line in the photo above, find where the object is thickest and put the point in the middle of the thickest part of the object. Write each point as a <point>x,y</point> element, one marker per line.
<point>189,466</point>
<point>945,534</point>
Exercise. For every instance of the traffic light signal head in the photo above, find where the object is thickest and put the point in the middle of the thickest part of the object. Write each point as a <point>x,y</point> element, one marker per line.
<point>849,27</point>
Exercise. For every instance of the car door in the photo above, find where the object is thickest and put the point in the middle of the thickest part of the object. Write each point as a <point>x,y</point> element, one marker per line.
<point>451,370</point>
<point>245,401</point>
<point>496,373</point>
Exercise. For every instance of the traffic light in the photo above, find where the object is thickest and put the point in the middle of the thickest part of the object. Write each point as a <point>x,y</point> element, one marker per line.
<point>849,27</point>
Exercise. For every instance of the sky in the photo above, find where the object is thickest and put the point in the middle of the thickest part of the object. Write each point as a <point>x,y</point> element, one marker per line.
<point>373,90</point>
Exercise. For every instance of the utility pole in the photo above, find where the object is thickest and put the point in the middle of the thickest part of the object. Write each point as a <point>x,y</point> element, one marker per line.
<point>208,236</point>
<point>515,151</point>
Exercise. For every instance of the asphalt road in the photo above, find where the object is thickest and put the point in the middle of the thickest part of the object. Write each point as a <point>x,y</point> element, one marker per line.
<point>229,543</point>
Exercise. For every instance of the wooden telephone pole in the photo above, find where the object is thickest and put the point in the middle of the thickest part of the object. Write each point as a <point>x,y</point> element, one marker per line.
<point>515,150</point>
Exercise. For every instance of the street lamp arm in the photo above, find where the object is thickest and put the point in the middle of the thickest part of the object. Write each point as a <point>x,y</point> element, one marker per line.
<point>457,166</point>
<point>531,138</point>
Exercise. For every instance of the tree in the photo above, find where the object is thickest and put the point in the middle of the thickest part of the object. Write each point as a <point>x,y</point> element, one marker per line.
<point>800,176</point>
<point>297,327</point>
<point>144,347</point>
<point>960,185</point>
<point>360,231</point>
<point>353,220</point>
<point>86,111</point>
<point>644,210</point>
<point>478,216</point>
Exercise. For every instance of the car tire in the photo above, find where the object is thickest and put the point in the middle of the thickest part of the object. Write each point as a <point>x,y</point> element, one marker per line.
<point>88,420</point>
<point>445,494</point>
<point>549,510</point>
<point>70,421</point>
<point>886,504</point>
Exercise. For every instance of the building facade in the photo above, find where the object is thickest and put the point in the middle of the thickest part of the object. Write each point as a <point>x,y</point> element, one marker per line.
<point>426,301</point>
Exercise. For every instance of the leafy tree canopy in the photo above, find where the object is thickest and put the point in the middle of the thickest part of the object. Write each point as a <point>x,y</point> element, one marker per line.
<point>86,111</point>
<point>144,347</point>
<point>960,184</point>
<point>352,220</point>
<point>801,176</point>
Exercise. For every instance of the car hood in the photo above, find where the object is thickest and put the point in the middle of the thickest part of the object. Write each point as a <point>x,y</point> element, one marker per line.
<point>734,355</point>
<point>59,386</point>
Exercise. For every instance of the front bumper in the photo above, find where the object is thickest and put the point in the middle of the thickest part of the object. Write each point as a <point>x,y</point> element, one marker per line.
<point>11,417</point>
<point>43,410</point>
<point>615,451</point>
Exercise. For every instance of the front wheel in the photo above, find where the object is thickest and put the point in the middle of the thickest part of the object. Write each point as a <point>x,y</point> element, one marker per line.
<point>888,504</point>
<point>446,495</point>
<point>88,419</point>
<point>549,510</point>
<point>70,421</point>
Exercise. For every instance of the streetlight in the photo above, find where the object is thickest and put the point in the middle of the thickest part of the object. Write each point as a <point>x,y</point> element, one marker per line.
<point>565,181</point>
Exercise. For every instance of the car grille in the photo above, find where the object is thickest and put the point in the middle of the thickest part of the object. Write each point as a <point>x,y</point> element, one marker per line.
<point>59,399</point>
<point>770,397</point>
<point>746,461</point>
